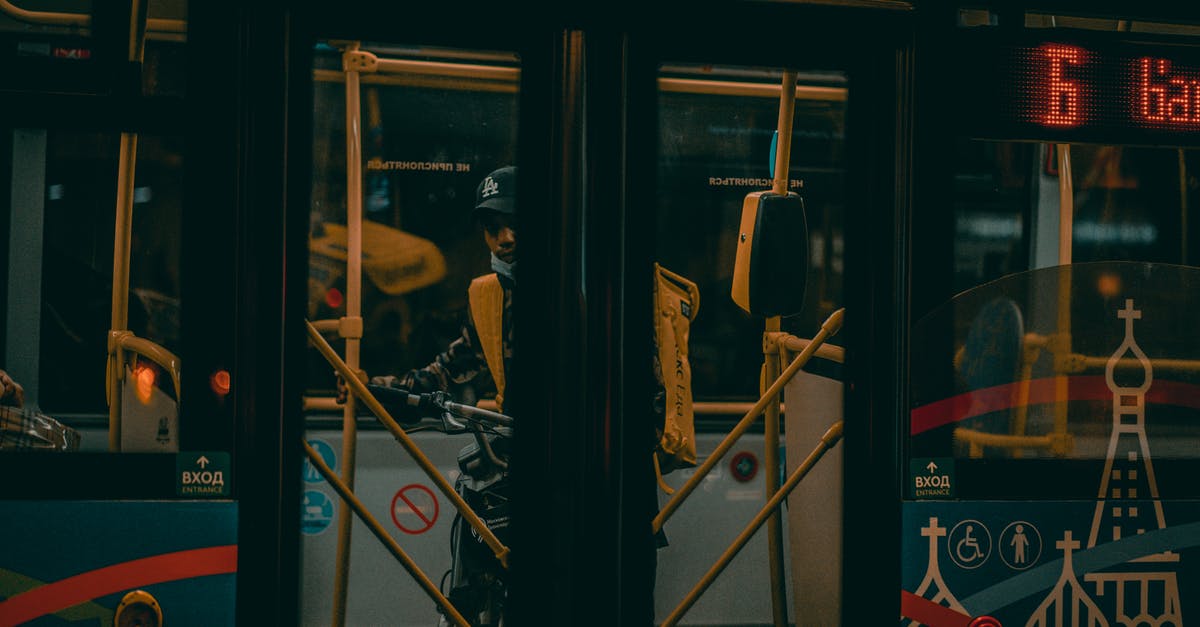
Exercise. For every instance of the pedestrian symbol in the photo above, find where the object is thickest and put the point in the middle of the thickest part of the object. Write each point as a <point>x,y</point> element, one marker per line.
<point>1020,545</point>
<point>311,475</point>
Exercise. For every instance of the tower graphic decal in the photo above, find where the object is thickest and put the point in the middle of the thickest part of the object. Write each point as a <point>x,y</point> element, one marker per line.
<point>933,574</point>
<point>1067,602</point>
<point>1128,502</point>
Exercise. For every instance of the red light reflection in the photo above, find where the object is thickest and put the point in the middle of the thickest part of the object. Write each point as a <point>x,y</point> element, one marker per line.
<point>334,298</point>
<point>219,382</point>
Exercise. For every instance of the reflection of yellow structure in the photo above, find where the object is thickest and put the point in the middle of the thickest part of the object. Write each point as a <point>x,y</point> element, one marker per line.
<point>1059,442</point>
<point>396,262</point>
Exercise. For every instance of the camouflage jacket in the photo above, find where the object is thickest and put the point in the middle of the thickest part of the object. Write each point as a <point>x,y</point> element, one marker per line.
<point>462,361</point>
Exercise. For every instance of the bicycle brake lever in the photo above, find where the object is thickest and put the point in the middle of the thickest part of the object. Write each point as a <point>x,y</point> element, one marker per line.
<point>450,425</point>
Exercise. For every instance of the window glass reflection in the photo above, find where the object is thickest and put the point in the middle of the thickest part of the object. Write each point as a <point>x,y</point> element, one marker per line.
<point>1042,318</point>
<point>425,197</point>
<point>60,238</point>
<point>717,141</point>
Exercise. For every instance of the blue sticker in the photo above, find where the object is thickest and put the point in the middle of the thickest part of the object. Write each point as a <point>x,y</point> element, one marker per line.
<point>326,452</point>
<point>316,514</point>
<point>774,148</point>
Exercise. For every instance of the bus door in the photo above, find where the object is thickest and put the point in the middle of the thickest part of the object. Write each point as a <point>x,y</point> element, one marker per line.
<point>416,148</point>
<point>769,186</point>
<point>1049,447</point>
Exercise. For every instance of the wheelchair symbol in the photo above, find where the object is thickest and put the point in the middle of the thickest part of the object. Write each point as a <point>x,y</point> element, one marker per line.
<point>969,544</point>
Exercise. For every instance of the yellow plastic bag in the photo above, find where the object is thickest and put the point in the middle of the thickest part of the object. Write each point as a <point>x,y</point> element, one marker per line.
<point>676,301</point>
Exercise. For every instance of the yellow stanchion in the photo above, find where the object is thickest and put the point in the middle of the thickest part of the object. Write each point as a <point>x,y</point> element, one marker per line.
<point>353,319</point>
<point>122,241</point>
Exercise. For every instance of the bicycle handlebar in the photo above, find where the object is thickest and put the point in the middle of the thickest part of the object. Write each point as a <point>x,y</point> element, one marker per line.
<point>435,400</point>
<point>471,410</point>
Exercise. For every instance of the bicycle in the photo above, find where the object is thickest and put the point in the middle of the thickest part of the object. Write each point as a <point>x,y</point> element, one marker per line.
<point>476,578</point>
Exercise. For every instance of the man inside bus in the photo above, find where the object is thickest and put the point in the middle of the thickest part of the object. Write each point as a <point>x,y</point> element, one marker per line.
<point>482,352</point>
<point>11,392</point>
<point>485,343</point>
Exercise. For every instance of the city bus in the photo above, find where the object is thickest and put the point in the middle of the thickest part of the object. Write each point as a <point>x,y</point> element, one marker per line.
<point>951,384</point>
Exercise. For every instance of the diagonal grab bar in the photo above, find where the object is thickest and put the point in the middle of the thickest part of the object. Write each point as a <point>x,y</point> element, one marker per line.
<point>828,441</point>
<point>831,326</point>
<point>364,515</point>
<point>360,390</point>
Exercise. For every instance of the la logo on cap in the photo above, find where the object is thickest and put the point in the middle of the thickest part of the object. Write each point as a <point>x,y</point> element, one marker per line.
<point>490,188</point>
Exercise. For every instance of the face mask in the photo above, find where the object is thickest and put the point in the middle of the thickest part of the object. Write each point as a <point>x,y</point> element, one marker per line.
<point>503,268</point>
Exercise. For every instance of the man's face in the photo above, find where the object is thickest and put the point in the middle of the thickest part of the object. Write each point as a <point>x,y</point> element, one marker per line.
<point>498,230</point>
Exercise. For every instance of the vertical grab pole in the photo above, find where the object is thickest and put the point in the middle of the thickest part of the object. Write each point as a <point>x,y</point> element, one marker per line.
<point>120,285</point>
<point>1062,352</point>
<point>122,234</point>
<point>783,149</point>
<point>353,316</point>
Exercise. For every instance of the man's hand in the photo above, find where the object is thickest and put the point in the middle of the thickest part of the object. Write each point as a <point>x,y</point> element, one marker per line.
<point>397,400</point>
<point>11,392</point>
<point>343,390</point>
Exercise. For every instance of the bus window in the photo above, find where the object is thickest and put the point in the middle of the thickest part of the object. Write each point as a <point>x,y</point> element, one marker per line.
<point>427,142</point>
<point>75,47</point>
<point>60,269</point>
<point>1130,220</point>
<point>64,212</point>
<point>413,233</point>
<point>716,128</point>
<point>1052,364</point>
<point>717,145</point>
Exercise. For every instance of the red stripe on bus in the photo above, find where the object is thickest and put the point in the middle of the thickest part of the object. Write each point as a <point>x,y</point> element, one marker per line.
<point>930,614</point>
<point>1041,392</point>
<point>84,587</point>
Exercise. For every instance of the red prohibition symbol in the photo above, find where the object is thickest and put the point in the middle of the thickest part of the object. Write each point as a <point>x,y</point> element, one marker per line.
<point>414,509</point>
<point>743,466</point>
<point>984,621</point>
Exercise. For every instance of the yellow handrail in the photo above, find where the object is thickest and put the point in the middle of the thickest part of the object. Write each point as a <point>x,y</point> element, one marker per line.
<point>828,329</point>
<point>81,20</point>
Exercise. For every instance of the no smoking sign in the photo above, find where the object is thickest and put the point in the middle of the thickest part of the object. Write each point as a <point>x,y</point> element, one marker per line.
<point>414,509</point>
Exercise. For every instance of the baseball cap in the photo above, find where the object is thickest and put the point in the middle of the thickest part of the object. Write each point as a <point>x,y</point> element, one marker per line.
<point>497,192</point>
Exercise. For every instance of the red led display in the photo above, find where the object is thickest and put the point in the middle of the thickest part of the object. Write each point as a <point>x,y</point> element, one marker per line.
<point>1166,95</point>
<point>1062,93</point>
<point>1080,88</point>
